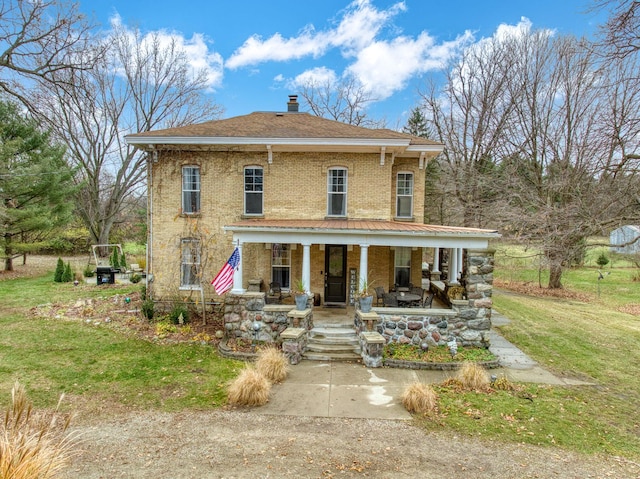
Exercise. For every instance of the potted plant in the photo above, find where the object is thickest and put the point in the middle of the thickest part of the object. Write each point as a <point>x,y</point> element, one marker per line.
<point>300,295</point>
<point>365,298</point>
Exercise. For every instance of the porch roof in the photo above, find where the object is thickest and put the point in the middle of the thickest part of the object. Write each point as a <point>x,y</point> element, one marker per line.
<point>360,232</point>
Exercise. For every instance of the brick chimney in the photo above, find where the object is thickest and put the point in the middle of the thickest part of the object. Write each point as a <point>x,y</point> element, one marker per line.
<point>292,105</point>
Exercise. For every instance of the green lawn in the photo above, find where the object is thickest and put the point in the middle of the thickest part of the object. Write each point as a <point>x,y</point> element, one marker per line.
<point>96,364</point>
<point>590,340</point>
<point>99,368</point>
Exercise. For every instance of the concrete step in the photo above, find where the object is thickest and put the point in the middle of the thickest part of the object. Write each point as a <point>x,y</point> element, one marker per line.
<point>312,356</point>
<point>332,344</point>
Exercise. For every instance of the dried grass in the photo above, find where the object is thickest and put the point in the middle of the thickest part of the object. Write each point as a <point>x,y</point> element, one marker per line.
<point>473,377</point>
<point>272,364</point>
<point>250,388</point>
<point>420,398</point>
<point>33,445</point>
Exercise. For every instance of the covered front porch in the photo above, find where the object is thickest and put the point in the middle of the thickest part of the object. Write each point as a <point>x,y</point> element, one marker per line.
<point>335,258</point>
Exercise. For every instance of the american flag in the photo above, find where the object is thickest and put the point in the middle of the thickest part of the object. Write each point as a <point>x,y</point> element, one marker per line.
<point>224,279</point>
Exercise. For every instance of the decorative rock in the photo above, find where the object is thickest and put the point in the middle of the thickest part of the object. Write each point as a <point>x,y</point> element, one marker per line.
<point>415,325</point>
<point>443,324</point>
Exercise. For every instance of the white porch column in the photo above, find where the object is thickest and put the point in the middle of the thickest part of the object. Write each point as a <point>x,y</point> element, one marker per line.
<point>306,266</point>
<point>453,266</point>
<point>237,274</point>
<point>459,264</point>
<point>436,260</point>
<point>364,264</point>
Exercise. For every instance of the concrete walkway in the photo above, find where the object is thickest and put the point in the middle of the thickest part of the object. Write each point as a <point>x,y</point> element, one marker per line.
<point>352,390</point>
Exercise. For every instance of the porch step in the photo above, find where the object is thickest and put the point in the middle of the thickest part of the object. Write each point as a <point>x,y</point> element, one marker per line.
<point>332,343</point>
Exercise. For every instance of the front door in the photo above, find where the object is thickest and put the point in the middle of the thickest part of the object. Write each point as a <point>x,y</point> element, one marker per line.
<point>335,284</point>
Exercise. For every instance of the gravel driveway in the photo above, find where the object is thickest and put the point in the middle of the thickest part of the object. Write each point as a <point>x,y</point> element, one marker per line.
<point>246,444</point>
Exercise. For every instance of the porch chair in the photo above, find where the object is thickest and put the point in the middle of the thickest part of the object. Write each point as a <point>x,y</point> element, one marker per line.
<point>427,299</point>
<point>379,295</point>
<point>390,300</point>
<point>417,290</point>
<point>274,295</point>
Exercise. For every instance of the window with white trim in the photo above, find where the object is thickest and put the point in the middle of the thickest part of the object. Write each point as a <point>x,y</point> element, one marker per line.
<point>337,192</point>
<point>253,190</point>
<point>402,266</point>
<point>281,265</point>
<point>404,195</point>
<point>190,189</point>
<point>190,263</point>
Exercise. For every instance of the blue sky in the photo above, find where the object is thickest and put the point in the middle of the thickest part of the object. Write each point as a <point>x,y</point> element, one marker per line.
<point>258,52</point>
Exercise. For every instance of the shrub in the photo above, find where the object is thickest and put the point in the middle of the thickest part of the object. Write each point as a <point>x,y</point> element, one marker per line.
<point>272,364</point>
<point>115,259</point>
<point>57,276</point>
<point>143,292</point>
<point>147,309</point>
<point>32,445</point>
<point>123,261</point>
<point>420,398</point>
<point>179,310</point>
<point>67,275</point>
<point>250,388</point>
<point>135,278</point>
<point>602,260</point>
<point>88,272</point>
<point>473,377</point>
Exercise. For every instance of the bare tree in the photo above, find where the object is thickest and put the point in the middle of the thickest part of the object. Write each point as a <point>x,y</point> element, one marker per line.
<point>469,116</point>
<point>345,100</point>
<point>564,143</point>
<point>621,32</point>
<point>39,39</point>
<point>141,84</point>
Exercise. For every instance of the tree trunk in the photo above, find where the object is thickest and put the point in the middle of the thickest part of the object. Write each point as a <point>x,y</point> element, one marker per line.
<point>555,274</point>
<point>8,251</point>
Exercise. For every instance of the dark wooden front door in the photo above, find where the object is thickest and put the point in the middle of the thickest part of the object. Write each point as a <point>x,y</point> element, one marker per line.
<point>335,283</point>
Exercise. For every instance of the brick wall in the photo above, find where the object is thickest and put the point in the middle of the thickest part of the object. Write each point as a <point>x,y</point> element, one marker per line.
<point>295,187</point>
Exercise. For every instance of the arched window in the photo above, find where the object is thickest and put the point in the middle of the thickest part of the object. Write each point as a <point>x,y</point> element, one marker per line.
<point>404,195</point>
<point>253,190</point>
<point>337,192</point>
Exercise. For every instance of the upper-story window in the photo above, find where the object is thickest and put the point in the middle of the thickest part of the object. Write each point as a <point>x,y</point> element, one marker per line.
<point>404,195</point>
<point>190,189</point>
<point>337,192</point>
<point>253,190</point>
<point>190,264</point>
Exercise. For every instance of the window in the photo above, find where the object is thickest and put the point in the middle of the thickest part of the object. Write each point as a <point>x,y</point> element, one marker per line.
<point>190,189</point>
<point>402,266</point>
<point>253,188</point>
<point>337,192</point>
<point>190,264</point>
<point>404,195</point>
<point>281,265</point>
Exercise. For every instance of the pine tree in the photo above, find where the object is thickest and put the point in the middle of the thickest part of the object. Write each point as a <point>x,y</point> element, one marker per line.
<point>115,259</point>
<point>35,184</point>
<point>67,276</point>
<point>57,276</point>
<point>123,261</point>
<point>417,124</point>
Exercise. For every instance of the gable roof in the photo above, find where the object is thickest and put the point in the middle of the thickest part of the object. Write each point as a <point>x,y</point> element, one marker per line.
<point>286,130</point>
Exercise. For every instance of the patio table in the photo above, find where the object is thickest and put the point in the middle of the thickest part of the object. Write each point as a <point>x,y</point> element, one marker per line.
<point>408,298</point>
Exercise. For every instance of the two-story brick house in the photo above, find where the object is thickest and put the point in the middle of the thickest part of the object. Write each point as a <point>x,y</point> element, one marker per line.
<point>302,197</point>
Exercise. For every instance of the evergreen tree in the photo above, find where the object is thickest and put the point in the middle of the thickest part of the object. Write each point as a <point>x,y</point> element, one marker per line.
<point>35,184</point>
<point>417,124</point>
<point>115,259</point>
<point>123,261</point>
<point>57,276</point>
<point>67,276</point>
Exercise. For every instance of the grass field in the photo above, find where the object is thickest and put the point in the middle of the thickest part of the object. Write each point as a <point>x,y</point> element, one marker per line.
<point>590,338</point>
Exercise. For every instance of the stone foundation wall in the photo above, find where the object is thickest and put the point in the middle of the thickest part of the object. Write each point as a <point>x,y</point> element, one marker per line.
<point>243,311</point>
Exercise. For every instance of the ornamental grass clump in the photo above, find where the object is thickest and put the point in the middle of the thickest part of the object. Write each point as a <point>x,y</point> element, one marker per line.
<point>473,377</point>
<point>420,398</point>
<point>33,445</point>
<point>250,388</point>
<point>272,364</point>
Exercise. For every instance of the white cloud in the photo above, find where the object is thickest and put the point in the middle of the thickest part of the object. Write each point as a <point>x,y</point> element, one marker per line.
<point>318,76</point>
<point>385,67</point>
<point>359,26</point>
<point>196,50</point>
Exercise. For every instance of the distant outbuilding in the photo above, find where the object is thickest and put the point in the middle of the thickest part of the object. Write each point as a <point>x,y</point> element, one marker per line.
<point>625,239</point>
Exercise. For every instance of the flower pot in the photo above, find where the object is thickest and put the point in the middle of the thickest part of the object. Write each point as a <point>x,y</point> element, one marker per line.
<point>301,301</point>
<point>366,303</point>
